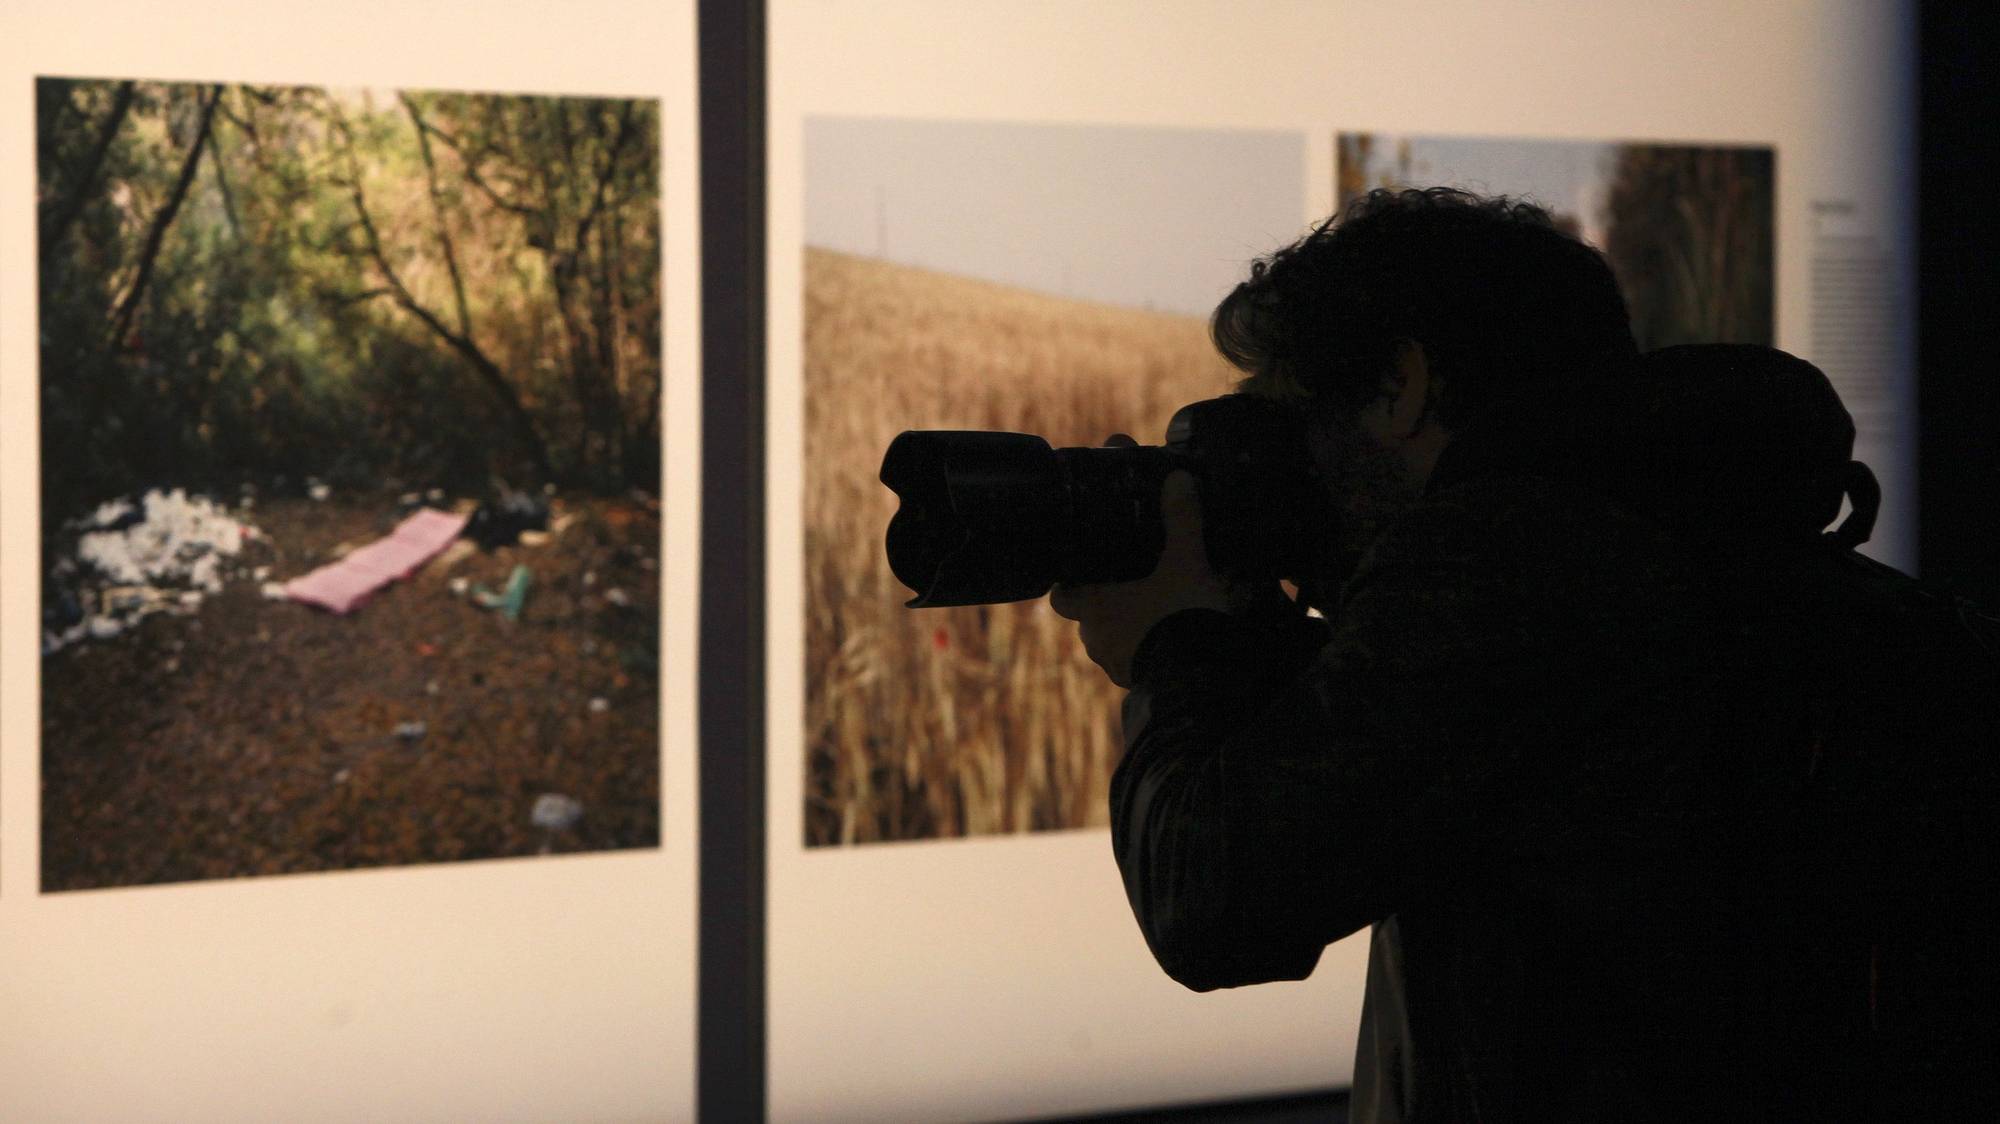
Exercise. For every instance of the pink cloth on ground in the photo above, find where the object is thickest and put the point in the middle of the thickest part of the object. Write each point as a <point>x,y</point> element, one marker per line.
<point>346,583</point>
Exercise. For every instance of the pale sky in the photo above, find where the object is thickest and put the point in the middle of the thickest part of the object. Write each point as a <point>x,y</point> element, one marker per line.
<point>1565,176</point>
<point>1167,219</point>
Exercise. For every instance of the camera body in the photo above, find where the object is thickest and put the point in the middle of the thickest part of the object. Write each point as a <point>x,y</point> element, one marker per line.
<point>988,517</point>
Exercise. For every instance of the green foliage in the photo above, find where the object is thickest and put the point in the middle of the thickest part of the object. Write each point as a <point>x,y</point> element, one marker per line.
<point>243,282</point>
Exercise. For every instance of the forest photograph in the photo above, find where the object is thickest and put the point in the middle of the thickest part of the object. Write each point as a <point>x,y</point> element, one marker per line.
<point>1689,230</point>
<point>1038,278</point>
<point>350,477</point>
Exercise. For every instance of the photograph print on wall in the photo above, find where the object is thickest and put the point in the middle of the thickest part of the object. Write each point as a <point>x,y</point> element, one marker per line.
<point>350,425</point>
<point>1688,229</point>
<point>1045,279</point>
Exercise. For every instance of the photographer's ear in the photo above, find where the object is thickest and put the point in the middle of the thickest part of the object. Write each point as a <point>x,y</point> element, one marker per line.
<point>1408,390</point>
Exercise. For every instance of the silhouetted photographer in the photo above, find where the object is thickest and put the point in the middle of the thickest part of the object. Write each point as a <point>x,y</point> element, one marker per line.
<point>1662,802</point>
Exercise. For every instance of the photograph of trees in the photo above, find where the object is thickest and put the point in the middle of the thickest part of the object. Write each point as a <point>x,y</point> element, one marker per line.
<point>1688,229</point>
<point>292,331</point>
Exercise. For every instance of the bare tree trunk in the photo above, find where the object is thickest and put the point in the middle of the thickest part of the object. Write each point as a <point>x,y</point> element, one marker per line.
<point>437,208</point>
<point>613,236</point>
<point>600,407</point>
<point>56,228</point>
<point>121,319</point>
<point>488,371</point>
<point>562,274</point>
<point>222,181</point>
<point>564,268</point>
<point>604,317</point>
<point>1351,173</point>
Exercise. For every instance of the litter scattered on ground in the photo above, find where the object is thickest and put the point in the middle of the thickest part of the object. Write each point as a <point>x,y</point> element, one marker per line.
<point>411,731</point>
<point>459,586</point>
<point>618,597</point>
<point>171,537</point>
<point>500,522</point>
<point>534,538</point>
<point>142,758</point>
<point>318,492</point>
<point>275,591</point>
<point>553,811</point>
<point>457,552</point>
<point>345,584</point>
<point>125,599</point>
<point>510,600</point>
<point>162,553</point>
<point>599,705</point>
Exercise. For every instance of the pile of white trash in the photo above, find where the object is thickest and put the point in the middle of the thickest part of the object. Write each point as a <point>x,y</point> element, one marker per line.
<point>163,554</point>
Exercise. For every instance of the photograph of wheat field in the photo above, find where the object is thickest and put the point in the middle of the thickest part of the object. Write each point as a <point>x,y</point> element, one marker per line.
<point>1035,278</point>
<point>1688,229</point>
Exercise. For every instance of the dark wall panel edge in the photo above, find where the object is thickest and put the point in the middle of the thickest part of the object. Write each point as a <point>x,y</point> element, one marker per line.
<point>1958,287</point>
<point>730,1021</point>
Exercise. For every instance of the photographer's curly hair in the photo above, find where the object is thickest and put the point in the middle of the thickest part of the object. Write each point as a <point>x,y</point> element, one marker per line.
<point>1508,307</point>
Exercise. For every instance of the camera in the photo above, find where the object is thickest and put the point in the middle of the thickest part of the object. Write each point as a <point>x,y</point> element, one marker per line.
<point>987,517</point>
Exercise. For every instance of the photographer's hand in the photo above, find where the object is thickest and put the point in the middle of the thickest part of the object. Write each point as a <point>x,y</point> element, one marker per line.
<point>1114,618</point>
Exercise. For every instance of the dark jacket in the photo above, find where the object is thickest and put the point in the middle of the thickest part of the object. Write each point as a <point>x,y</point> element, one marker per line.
<point>1552,746</point>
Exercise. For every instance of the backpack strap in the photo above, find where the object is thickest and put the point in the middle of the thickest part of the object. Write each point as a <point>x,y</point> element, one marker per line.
<point>1864,494</point>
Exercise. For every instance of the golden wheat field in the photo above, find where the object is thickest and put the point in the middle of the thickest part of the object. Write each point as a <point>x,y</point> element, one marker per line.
<point>936,723</point>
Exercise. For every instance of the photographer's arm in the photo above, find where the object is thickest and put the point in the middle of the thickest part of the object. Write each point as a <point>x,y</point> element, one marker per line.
<point>1272,800</point>
<point>1177,810</point>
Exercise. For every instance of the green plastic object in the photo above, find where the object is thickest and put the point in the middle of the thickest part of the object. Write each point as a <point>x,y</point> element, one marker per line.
<point>510,599</point>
